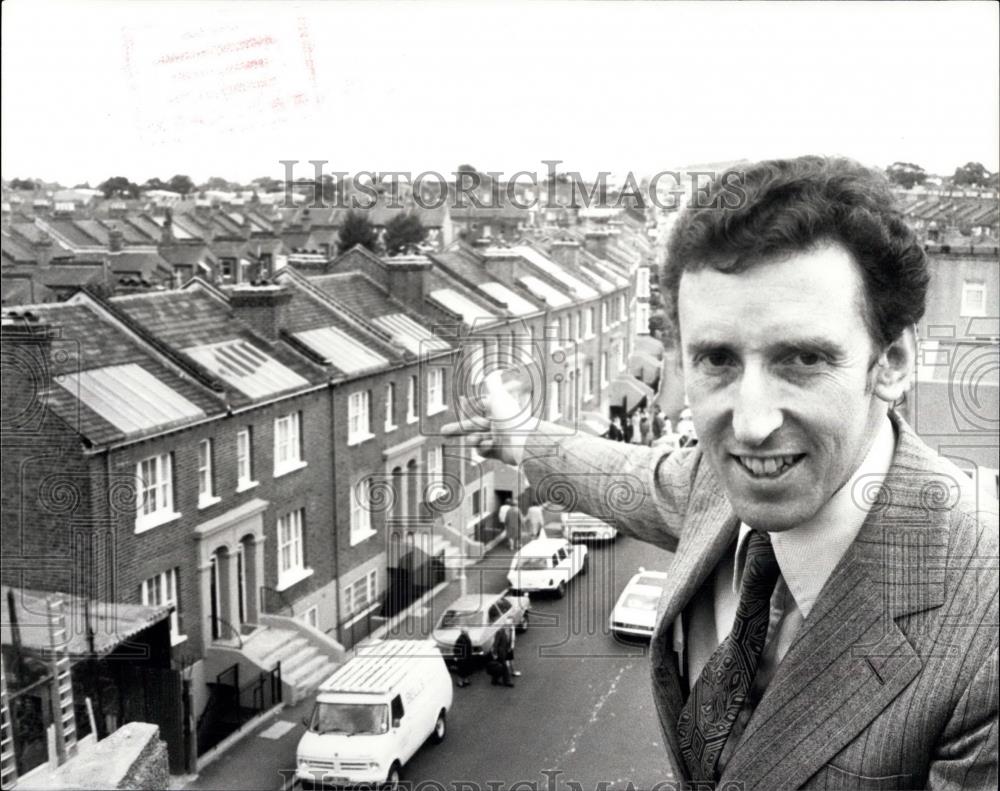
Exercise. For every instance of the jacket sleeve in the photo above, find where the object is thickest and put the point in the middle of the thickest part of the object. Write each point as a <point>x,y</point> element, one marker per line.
<point>643,491</point>
<point>966,758</point>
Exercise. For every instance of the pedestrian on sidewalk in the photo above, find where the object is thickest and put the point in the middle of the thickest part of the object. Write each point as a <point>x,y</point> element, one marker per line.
<point>463,658</point>
<point>644,428</point>
<point>535,519</point>
<point>512,522</point>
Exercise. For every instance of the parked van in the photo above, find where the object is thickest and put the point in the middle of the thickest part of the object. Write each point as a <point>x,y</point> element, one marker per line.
<point>374,713</point>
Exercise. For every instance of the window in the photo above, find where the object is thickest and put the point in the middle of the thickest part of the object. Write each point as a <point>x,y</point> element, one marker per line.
<point>588,381</point>
<point>411,400</point>
<point>435,474</point>
<point>477,503</point>
<point>604,315</point>
<point>206,487</point>
<point>358,417</point>
<point>390,406</point>
<point>244,460</point>
<point>604,369</point>
<point>531,342</point>
<point>589,324</point>
<point>621,308</point>
<point>577,323</point>
<point>361,513</point>
<point>553,332</point>
<point>156,490</point>
<point>642,318</point>
<point>435,391</point>
<point>291,557</point>
<point>161,591</point>
<point>642,282</point>
<point>555,398</point>
<point>620,350</point>
<point>973,298</point>
<point>288,444</point>
<point>361,594</point>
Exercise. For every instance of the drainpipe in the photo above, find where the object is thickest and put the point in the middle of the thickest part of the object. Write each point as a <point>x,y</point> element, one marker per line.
<point>336,533</point>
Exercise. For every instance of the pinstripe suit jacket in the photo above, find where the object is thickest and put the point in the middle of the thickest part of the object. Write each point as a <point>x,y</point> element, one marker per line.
<point>891,682</point>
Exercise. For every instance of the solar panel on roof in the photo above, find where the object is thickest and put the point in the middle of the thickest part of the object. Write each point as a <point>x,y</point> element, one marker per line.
<point>515,303</point>
<point>129,397</point>
<point>552,296</point>
<point>341,350</point>
<point>462,305</point>
<point>246,368</point>
<point>410,335</point>
<point>582,290</point>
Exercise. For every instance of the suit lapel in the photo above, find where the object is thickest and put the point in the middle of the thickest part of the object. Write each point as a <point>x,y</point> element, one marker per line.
<point>710,528</point>
<point>850,659</point>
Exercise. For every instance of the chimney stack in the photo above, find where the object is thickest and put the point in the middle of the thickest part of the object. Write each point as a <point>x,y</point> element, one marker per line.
<point>43,249</point>
<point>566,253</point>
<point>407,277</point>
<point>116,240</point>
<point>167,236</point>
<point>26,344</point>
<point>264,308</point>
<point>596,243</point>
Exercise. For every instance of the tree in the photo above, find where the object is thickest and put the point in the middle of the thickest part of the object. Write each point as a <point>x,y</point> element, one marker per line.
<point>23,184</point>
<point>119,187</point>
<point>402,232</point>
<point>181,184</point>
<point>971,174</point>
<point>216,183</point>
<point>357,229</point>
<point>155,184</point>
<point>906,174</point>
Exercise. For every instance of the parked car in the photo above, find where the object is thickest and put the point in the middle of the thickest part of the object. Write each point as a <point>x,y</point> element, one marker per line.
<point>546,564</point>
<point>635,611</point>
<point>373,714</point>
<point>577,526</point>
<point>481,614</point>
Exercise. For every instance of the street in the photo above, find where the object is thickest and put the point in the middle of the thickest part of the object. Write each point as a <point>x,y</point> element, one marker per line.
<point>582,707</point>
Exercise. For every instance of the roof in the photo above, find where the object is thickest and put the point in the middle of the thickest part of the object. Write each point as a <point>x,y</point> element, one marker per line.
<point>129,397</point>
<point>543,546</point>
<point>516,304</point>
<point>112,622</point>
<point>411,336</point>
<point>246,367</point>
<point>472,602</point>
<point>378,668</point>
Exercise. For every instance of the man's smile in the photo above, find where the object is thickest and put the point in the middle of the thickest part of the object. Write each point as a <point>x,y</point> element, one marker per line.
<point>771,466</point>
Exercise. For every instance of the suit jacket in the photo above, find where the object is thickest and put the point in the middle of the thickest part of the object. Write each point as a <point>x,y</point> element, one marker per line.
<point>892,680</point>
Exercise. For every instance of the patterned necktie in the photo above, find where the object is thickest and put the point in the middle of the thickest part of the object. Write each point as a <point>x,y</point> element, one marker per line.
<point>722,688</point>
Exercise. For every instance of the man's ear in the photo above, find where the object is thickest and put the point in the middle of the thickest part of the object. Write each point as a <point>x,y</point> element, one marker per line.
<point>894,368</point>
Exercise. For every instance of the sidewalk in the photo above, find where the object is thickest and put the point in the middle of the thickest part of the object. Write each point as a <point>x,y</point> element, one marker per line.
<point>264,760</point>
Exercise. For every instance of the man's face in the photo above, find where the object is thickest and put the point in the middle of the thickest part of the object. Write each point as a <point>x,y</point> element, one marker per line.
<point>777,363</point>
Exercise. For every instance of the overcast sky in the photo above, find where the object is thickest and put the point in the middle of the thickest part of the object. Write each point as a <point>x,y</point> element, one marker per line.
<point>93,89</point>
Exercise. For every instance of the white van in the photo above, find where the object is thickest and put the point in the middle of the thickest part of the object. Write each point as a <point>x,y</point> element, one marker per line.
<point>374,713</point>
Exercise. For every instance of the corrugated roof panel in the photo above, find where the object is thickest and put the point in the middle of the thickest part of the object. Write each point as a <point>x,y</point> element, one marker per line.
<point>516,304</point>
<point>554,297</point>
<point>581,289</point>
<point>341,349</point>
<point>246,368</point>
<point>129,397</point>
<point>462,305</point>
<point>410,335</point>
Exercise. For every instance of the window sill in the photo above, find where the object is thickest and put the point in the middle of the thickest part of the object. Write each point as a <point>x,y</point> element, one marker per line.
<point>176,640</point>
<point>205,502</point>
<point>142,524</point>
<point>247,486</point>
<point>292,578</point>
<point>437,410</point>
<point>387,428</point>
<point>357,439</point>
<point>357,538</point>
<point>287,468</point>
<point>411,419</point>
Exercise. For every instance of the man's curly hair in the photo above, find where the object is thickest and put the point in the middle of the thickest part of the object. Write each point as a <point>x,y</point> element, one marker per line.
<point>779,207</point>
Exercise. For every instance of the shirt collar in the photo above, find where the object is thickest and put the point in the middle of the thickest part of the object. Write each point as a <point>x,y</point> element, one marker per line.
<point>808,554</point>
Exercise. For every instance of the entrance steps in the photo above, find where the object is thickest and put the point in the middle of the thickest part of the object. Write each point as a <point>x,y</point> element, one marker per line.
<point>305,663</point>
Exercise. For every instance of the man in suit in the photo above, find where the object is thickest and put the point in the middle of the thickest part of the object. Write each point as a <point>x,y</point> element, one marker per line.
<point>830,618</point>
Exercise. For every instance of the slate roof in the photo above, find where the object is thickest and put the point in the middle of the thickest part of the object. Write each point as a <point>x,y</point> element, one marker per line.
<point>193,317</point>
<point>15,250</point>
<point>87,341</point>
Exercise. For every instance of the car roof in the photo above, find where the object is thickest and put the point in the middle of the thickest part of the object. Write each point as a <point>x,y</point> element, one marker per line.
<point>659,575</point>
<point>472,602</point>
<point>543,546</point>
